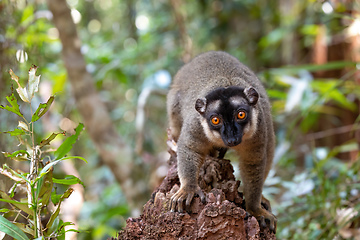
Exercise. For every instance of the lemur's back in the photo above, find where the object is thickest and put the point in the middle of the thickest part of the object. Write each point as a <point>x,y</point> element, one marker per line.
<point>216,103</point>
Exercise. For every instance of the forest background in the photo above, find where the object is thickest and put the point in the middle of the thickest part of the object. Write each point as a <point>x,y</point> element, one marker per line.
<point>307,53</point>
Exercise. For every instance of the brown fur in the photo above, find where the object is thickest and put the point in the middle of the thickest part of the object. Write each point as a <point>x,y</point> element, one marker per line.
<point>205,73</point>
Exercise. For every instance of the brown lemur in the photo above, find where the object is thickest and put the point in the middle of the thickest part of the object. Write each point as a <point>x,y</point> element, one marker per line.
<point>216,103</point>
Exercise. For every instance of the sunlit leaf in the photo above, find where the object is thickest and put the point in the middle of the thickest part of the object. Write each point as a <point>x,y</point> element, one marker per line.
<point>310,29</point>
<point>330,90</point>
<point>42,109</point>
<point>33,81</point>
<point>10,229</point>
<point>49,139</point>
<point>14,105</point>
<point>59,82</point>
<point>20,155</point>
<point>23,126</point>
<point>27,15</point>
<point>21,91</point>
<point>66,146</point>
<point>16,132</point>
<point>341,99</point>
<point>51,164</point>
<point>324,86</point>
<point>47,168</point>
<point>72,230</point>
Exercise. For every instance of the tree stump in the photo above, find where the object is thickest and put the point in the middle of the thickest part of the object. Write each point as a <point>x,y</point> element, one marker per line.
<point>222,217</point>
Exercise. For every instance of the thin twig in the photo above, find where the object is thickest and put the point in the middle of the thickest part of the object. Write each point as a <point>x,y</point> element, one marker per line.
<point>332,131</point>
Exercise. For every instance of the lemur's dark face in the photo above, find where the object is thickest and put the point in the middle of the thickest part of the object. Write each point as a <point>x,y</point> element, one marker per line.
<point>227,114</point>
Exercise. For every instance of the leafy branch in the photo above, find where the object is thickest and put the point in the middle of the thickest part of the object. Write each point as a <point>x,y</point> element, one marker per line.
<point>38,182</point>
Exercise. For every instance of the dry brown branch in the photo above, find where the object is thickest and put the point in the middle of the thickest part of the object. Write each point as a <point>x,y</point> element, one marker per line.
<point>332,131</point>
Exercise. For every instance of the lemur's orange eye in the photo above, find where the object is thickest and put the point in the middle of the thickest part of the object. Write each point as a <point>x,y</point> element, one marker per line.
<point>241,115</point>
<point>215,120</point>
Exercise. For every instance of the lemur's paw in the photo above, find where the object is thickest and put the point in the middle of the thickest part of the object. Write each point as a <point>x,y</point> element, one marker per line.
<point>185,194</point>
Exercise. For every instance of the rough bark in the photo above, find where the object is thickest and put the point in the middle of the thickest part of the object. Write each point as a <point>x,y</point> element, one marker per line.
<point>113,150</point>
<point>222,217</point>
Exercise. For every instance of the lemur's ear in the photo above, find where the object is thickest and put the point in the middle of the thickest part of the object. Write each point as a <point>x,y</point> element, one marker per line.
<point>200,105</point>
<point>251,95</point>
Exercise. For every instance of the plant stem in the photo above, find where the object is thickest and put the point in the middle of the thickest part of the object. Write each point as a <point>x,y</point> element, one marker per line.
<point>32,198</point>
<point>34,205</point>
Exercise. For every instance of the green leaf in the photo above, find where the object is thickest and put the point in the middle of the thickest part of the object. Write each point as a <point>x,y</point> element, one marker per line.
<point>73,157</point>
<point>27,15</point>
<point>54,227</point>
<point>16,132</point>
<point>46,169</point>
<point>276,94</point>
<point>55,198</point>
<point>20,155</point>
<point>51,164</point>
<point>66,146</point>
<point>10,229</point>
<point>68,180</point>
<point>59,81</point>
<point>4,210</point>
<point>337,96</point>
<point>273,38</point>
<point>22,206</point>
<point>14,105</point>
<point>330,90</point>
<point>44,188</point>
<point>49,139</point>
<point>311,118</point>
<point>55,214</point>
<point>310,29</point>
<point>60,231</point>
<point>42,109</point>
<point>72,230</point>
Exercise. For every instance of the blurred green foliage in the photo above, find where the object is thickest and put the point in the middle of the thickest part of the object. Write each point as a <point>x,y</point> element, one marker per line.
<point>125,42</point>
